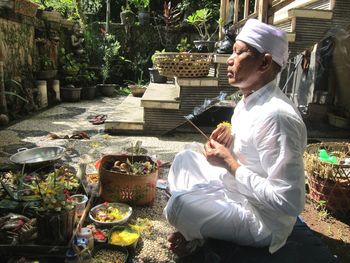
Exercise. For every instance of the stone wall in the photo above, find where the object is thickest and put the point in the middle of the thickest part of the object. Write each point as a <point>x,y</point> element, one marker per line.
<point>17,42</point>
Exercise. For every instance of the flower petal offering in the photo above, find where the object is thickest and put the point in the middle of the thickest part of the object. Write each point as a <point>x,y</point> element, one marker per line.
<point>110,213</point>
<point>123,236</point>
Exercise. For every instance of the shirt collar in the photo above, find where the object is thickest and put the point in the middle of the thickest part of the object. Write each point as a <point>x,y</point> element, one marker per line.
<point>252,98</point>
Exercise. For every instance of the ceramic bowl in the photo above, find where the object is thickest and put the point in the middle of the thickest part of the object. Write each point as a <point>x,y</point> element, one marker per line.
<point>102,209</point>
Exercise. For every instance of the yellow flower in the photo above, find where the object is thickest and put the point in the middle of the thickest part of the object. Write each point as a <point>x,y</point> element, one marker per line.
<point>224,123</point>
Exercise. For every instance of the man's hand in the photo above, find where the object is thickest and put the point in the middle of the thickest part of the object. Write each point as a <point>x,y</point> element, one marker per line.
<point>218,154</point>
<point>222,134</point>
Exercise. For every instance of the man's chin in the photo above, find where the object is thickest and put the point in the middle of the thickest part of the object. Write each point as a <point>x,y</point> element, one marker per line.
<point>232,81</point>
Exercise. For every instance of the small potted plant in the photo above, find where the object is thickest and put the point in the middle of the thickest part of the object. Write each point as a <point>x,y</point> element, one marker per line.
<point>200,19</point>
<point>110,50</point>
<point>70,68</point>
<point>138,88</point>
<point>45,68</point>
<point>87,79</point>
<point>143,13</point>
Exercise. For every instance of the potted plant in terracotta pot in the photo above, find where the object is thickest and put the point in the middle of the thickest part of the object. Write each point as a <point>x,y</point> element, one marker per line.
<point>70,68</point>
<point>200,19</point>
<point>138,87</point>
<point>45,68</point>
<point>110,50</point>
<point>87,79</point>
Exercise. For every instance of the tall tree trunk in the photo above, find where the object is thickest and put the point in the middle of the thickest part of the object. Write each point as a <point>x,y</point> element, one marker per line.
<point>108,14</point>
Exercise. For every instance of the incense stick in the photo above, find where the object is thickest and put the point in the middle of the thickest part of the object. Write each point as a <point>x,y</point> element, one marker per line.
<point>200,131</point>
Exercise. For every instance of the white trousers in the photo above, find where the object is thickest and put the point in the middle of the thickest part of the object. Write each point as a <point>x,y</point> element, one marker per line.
<point>200,207</point>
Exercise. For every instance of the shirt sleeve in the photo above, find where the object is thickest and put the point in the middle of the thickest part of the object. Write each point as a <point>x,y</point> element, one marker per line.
<point>280,186</point>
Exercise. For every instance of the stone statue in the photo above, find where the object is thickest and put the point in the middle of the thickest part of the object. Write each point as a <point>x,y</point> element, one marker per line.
<point>77,40</point>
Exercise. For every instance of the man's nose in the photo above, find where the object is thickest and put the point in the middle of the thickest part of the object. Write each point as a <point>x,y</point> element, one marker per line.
<point>230,60</point>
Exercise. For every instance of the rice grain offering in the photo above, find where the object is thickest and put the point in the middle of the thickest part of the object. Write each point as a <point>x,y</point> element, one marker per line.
<point>108,254</point>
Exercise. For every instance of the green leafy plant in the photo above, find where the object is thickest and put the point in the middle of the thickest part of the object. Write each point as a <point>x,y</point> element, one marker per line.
<point>200,19</point>
<point>91,6</point>
<point>153,57</point>
<point>86,77</point>
<point>70,65</point>
<point>140,4</point>
<point>110,50</point>
<point>16,83</point>
<point>44,63</point>
<point>67,8</point>
<point>183,45</point>
<point>184,5</point>
<point>54,190</point>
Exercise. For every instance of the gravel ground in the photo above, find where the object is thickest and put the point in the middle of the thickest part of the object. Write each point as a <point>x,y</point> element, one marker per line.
<point>67,118</point>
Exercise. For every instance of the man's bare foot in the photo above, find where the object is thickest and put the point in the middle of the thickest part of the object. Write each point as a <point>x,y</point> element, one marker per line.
<point>181,247</point>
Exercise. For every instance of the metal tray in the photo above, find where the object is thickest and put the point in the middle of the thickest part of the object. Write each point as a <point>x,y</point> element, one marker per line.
<point>38,155</point>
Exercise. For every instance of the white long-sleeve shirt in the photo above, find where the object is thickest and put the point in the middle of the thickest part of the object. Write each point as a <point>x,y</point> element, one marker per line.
<point>269,142</point>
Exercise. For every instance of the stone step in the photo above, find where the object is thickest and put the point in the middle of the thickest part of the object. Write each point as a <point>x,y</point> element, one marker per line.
<point>128,117</point>
<point>161,96</point>
<point>197,82</point>
<point>163,106</point>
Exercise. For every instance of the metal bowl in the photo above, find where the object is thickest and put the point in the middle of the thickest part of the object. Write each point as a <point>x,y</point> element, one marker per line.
<point>37,155</point>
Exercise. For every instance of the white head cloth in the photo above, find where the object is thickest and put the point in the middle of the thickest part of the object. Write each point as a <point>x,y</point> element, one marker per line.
<point>266,38</point>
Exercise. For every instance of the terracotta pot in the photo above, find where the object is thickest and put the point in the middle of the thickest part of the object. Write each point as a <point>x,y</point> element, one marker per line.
<point>46,74</point>
<point>137,90</point>
<point>106,89</point>
<point>88,93</point>
<point>70,94</point>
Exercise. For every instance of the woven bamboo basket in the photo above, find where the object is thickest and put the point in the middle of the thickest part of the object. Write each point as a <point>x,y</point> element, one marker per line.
<point>127,188</point>
<point>183,65</point>
<point>329,182</point>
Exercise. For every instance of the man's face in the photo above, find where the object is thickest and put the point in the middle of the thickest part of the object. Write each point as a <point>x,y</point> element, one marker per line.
<point>243,64</point>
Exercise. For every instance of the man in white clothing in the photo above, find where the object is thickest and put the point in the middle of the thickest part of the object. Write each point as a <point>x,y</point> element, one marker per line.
<point>248,185</point>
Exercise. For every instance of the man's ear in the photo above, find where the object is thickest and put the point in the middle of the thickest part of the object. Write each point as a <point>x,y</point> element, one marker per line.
<point>266,62</point>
